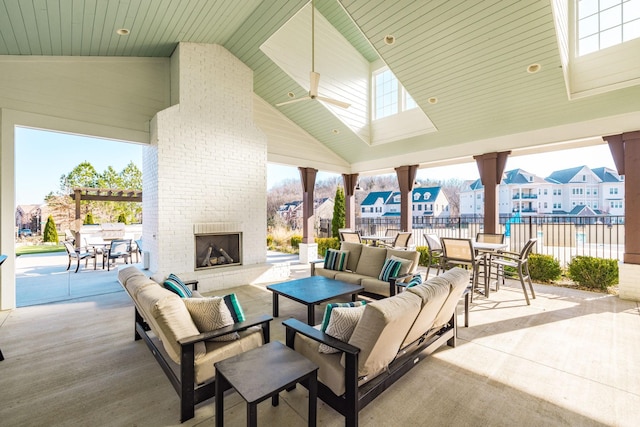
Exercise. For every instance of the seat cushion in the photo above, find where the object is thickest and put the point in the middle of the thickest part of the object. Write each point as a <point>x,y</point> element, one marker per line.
<point>371,261</point>
<point>325,272</point>
<point>376,286</point>
<point>331,372</point>
<point>352,278</point>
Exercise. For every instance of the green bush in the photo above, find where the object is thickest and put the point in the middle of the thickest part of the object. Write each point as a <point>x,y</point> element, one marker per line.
<point>269,241</point>
<point>424,255</point>
<point>50,233</point>
<point>544,268</point>
<point>295,241</point>
<point>122,218</point>
<point>593,272</point>
<point>325,243</point>
<point>89,219</point>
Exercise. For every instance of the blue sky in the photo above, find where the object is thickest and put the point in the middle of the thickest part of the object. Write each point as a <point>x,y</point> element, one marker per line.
<point>43,157</point>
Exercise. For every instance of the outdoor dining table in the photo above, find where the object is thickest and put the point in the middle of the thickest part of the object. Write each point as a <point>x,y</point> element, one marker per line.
<point>375,239</point>
<point>487,249</point>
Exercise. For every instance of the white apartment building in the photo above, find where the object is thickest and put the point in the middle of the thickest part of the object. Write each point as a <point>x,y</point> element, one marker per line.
<point>572,192</point>
<point>427,201</point>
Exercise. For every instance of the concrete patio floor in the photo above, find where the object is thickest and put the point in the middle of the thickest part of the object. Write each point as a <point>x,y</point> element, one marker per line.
<point>570,358</point>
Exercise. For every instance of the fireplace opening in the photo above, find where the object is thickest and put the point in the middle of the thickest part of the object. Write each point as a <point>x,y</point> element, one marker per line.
<point>217,250</point>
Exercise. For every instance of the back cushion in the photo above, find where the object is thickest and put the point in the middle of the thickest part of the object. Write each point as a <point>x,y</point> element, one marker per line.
<point>381,331</point>
<point>458,279</point>
<point>371,261</point>
<point>413,256</point>
<point>354,249</point>
<point>433,294</point>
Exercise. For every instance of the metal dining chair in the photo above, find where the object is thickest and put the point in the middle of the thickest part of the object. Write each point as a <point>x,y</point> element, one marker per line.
<point>519,262</point>
<point>119,249</point>
<point>434,252</point>
<point>460,252</point>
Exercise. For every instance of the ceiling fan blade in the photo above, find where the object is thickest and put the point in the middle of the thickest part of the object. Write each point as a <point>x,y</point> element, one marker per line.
<point>293,101</point>
<point>340,104</point>
<point>314,81</point>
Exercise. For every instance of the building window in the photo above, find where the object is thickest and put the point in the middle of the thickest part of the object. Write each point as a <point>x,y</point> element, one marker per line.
<point>389,96</point>
<point>545,191</point>
<point>364,210</point>
<point>613,191</point>
<point>606,23</point>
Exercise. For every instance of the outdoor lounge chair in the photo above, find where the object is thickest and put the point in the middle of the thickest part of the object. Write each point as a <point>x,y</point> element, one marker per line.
<point>119,249</point>
<point>78,255</point>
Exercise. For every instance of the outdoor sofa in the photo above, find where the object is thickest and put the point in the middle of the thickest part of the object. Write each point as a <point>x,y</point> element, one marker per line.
<point>391,336</point>
<point>186,356</point>
<point>365,263</point>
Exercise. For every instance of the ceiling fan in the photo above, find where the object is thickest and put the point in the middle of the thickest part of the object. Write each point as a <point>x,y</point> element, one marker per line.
<point>314,78</point>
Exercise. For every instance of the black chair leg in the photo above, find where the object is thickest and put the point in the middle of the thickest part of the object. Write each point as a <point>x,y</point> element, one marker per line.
<point>78,265</point>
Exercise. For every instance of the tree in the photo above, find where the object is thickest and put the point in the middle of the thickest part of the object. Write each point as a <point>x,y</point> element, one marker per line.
<point>122,218</point>
<point>89,219</point>
<point>50,232</point>
<point>83,175</point>
<point>339,216</point>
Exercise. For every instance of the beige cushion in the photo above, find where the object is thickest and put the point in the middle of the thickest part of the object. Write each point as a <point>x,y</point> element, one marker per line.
<point>355,249</point>
<point>331,372</point>
<point>325,272</point>
<point>382,330</point>
<point>126,273</point>
<point>342,322</point>
<point>371,261</point>
<point>171,318</point>
<point>433,293</point>
<point>405,264</point>
<point>210,314</point>
<point>352,278</point>
<point>413,256</point>
<point>376,286</point>
<point>458,279</point>
<point>217,351</point>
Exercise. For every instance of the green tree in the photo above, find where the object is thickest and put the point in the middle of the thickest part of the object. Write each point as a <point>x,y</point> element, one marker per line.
<point>131,177</point>
<point>83,175</point>
<point>339,216</point>
<point>50,233</point>
<point>89,219</point>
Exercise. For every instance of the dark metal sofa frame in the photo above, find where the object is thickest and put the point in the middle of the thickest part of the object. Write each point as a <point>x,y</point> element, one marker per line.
<point>356,398</point>
<point>191,394</point>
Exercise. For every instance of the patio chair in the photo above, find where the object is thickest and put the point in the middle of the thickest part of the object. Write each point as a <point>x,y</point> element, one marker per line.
<point>119,249</point>
<point>138,249</point>
<point>519,262</point>
<point>434,252</point>
<point>401,241</point>
<point>460,252</point>
<point>492,238</point>
<point>78,255</point>
<point>350,236</point>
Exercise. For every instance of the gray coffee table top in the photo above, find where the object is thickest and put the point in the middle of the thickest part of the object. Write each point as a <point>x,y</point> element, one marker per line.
<point>314,289</point>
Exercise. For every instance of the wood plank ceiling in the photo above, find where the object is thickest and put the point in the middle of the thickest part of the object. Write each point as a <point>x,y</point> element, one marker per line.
<point>471,55</point>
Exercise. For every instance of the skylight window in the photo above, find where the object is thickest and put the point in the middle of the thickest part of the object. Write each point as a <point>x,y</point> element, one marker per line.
<point>389,96</point>
<point>606,23</point>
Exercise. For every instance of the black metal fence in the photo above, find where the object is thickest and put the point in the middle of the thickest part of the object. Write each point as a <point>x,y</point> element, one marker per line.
<point>563,237</point>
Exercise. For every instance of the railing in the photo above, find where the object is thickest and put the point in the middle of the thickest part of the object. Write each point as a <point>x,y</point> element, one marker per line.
<point>563,237</point>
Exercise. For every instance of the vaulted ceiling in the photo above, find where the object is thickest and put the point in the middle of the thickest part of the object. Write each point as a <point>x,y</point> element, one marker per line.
<point>471,55</point>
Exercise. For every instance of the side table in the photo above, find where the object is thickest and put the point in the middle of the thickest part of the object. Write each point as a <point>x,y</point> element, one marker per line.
<point>261,373</point>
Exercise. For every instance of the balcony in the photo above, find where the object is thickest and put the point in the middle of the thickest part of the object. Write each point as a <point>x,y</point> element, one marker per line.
<point>518,196</point>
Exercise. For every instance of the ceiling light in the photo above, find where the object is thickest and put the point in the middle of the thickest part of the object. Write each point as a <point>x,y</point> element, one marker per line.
<point>432,100</point>
<point>533,68</point>
<point>122,32</point>
<point>389,39</point>
<point>291,95</point>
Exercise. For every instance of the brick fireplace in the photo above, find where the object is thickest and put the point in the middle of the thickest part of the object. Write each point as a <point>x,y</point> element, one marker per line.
<point>205,172</point>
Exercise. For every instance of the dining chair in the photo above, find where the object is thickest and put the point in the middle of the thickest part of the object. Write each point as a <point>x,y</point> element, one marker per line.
<point>119,248</point>
<point>491,238</point>
<point>460,252</point>
<point>350,236</point>
<point>78,255</point>
<point>434,252</point>
<point>518,261</point>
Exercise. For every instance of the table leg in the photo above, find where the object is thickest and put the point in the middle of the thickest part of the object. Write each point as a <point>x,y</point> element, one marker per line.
<point>354,297</point>
<point>275,305</point>
<point>275,399</point>
<point>311,314</point>
<point>252,415</point>
<point>219,391</point>
<point>313,398</point>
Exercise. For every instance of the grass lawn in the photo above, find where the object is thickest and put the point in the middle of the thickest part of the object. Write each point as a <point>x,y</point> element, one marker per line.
<point>38,249</point>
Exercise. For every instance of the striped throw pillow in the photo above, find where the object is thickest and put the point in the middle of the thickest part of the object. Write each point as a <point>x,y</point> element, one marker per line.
<point>415,280</point>
<point>391,268</point>
<point>174,284</point>
<point>336,260</point>
<point>330,307</point>
<point>234,307</point>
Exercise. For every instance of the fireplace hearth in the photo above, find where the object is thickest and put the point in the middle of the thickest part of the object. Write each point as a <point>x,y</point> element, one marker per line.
<point>216,250</point>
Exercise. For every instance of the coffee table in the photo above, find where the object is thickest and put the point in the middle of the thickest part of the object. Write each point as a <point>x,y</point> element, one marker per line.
<point>264,372</point>
<point>311,291</point>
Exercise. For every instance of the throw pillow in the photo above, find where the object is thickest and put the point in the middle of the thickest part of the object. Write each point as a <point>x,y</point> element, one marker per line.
<point>391,268</point>
<point>330,307</point>
<point>415,280</point>
<point>234,307</point>
<point>406,264</point>
<point>341,325</point>
<point>174,284</point>
<point>336,260</point>
<point>210,314</point>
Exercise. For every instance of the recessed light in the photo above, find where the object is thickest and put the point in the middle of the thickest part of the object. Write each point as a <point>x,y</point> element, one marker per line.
<point>122,32</point>
<point>533,68</point>
<point>389,39</point>
<point>291,95</point>
<point>335,131</point>
<point>432,100</point>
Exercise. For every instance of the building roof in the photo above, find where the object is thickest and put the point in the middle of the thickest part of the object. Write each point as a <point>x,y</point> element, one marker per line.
<point>520,176</point>
<point>607,174</point>
<point>432,193</point>
<point>564,176</point>
<point>374,196</point>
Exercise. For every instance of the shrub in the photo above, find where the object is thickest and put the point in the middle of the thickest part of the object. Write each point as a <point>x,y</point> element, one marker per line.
<point>325,243</point>
<point>544,268</point>
<point>89,219</point>
<point>424,255</point>
<point>593,272</point>
<point>122,218</point>
<point>50,233</point>
<point>269,241</point>
<point>295,241</point>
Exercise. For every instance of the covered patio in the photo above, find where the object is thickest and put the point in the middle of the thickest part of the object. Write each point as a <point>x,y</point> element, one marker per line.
<point>568,359</point>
